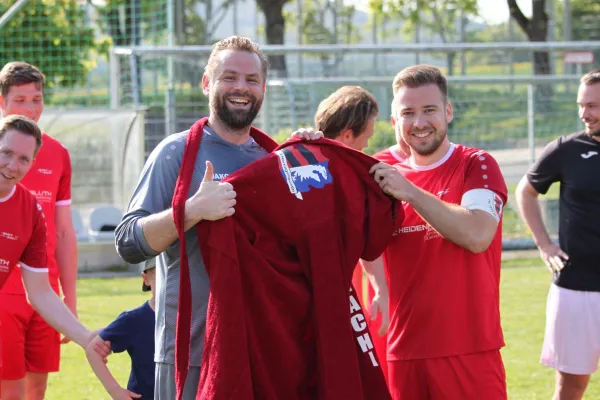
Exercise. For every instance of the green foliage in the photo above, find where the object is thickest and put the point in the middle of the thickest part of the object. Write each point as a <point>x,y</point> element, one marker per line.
<point>63,50</point>
<point>317,30</point>
<point>586,19</point>
<point>437,16</point>
<point>585,16</point>
<point>125,20</point>
<point>282,135</point>
<point>383,137</point>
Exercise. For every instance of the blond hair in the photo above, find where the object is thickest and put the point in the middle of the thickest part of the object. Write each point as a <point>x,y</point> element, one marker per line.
<point>349,107</point>
<point>237,43</point>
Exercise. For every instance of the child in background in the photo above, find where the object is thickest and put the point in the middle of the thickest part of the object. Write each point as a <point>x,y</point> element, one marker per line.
<point>132,331</point>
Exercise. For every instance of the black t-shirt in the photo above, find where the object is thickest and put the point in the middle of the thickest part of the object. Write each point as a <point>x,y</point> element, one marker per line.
<point>574,161</point>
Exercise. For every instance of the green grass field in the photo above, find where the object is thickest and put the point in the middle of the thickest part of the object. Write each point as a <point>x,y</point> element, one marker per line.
<point>524,287</point>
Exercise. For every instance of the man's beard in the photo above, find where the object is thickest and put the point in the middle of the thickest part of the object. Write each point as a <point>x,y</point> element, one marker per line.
<point>236,119</point>
<point>431,148</point>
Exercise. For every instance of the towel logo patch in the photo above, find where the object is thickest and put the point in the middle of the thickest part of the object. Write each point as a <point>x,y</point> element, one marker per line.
<point>303,167</point>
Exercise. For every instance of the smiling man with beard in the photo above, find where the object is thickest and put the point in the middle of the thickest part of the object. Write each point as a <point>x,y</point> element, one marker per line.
<point>235,82</point>
<point>571,343</point>
<point>443,262</point>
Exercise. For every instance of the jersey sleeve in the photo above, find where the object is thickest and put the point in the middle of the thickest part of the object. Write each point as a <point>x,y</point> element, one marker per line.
<point>483,172</point>
<point>34,257</point>
<point>546,169</point>
<point>121,333</point>
<point>63,196</point>
<point>153,194</point>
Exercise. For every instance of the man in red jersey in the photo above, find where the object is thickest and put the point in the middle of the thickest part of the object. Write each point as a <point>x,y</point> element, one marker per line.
<point>36,345</point>
<point>443,263</point>
<point>23,236</point>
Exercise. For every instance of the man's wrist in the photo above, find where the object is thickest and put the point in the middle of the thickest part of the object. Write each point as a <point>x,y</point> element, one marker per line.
<point>413,194</point>
<point>190,204</point>
<point>543,241</point>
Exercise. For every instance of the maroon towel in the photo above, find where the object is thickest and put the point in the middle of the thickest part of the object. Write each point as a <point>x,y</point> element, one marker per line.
<point>282,321</point>
<point>184,315</point>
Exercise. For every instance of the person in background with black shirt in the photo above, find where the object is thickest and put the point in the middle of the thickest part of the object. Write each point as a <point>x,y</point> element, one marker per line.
<point>572,339</point>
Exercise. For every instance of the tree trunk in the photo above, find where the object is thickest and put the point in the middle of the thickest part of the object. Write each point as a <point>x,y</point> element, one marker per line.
<point>275,30</point>
<point>541,64</point>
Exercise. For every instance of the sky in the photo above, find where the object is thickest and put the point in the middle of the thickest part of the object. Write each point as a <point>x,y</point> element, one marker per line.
<point>492,11</point>
<point>496,11</point>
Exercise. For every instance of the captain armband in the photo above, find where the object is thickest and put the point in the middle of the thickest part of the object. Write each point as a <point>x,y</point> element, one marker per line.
<point>484,200</point>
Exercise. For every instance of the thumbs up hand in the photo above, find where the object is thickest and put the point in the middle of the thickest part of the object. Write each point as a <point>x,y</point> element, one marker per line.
<point>212,201</point>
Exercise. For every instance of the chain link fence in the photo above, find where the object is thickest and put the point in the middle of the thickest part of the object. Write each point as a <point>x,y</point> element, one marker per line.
<point>502,108</point>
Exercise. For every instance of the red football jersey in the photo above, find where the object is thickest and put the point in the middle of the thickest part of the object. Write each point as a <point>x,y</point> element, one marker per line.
<point>389,156</point>
<point>22,233</point>
<point>444,299</point>
<point>49,180</point>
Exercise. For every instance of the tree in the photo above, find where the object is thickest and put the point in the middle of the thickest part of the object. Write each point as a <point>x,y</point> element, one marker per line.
<point>52,35</point>
<point>497,33</point>
<point>439,17</point>
<point>275,31</point>
<point>316,29</point>
<point>536,29</point>
<point>150,16</point>
<point>192,29</point>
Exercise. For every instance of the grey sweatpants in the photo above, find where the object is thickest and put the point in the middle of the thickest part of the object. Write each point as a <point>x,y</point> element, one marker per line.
<point>164,382</point>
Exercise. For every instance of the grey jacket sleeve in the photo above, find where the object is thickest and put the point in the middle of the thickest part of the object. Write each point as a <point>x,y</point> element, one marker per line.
<point>152,195</point>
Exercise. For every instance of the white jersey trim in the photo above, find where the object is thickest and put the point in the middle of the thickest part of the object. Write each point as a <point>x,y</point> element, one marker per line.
<point>484,200</point>
<point>28,268</point>
<point>63,203</point>
<point>396,155</point>
<point>435,164</point>
<point>3,199</point>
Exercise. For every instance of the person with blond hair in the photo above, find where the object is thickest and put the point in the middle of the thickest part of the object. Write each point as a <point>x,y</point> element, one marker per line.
<point>234,82</point>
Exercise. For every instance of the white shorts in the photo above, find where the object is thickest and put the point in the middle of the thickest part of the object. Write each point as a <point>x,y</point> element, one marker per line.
<point>572,339</point>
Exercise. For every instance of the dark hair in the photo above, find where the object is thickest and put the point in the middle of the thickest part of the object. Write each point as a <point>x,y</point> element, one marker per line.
<point>349,107</point>
<point>591,77</point>
<point>421,75</point>
<point>23,125</point>
<point>19,73</point>
<point>238,43</point>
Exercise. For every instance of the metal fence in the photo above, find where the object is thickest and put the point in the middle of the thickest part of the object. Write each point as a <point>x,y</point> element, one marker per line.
<point>501,104</point>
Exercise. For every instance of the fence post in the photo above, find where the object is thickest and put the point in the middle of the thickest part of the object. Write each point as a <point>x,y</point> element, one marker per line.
<point>135,80</point>
<point>169,112</point>
<point>170,95</point>
<point>292,101</point>
<point>531,122</point>
<point>115,79</point>
<point>11,12</point>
